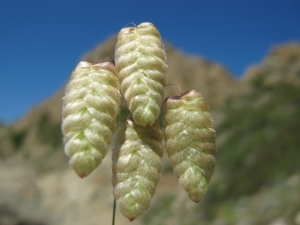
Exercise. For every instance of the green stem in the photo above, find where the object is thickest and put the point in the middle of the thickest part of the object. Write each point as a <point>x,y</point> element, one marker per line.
<point>114,213</point>
<point>119,124</point>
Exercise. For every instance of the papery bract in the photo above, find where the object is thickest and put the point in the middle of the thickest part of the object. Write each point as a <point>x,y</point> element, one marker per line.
<point>90,107</point>
<point>190,142</point>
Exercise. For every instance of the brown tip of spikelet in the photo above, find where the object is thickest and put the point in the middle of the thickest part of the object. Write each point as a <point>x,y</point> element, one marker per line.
<point>82,175</point>
<point>190,92</point>
<point>172,98</point>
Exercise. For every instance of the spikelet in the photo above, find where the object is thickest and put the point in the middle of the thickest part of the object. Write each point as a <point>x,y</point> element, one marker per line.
<point>90,108</point>
<point>190,142</point>
<point>141,63</point>
<point>137,162</point>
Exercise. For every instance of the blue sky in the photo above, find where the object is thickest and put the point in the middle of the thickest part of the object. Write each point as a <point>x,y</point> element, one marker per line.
<point>42,41</point>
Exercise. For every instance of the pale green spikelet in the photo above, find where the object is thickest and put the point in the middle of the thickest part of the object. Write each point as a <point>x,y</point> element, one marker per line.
<point>137,162</point>
<point>90,107</point>
<point>190,142</point>
<point>141,63</point>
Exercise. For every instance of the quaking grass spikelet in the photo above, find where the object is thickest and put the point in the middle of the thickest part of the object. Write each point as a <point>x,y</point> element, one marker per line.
<point>141,63</point>
<point>90,107</point>
<point>190,142</point>
<point>137,162</point>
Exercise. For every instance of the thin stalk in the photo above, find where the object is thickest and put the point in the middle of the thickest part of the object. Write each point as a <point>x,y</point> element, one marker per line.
<point>119,124</point>
<point>176,86</point>
<point>114,213</point>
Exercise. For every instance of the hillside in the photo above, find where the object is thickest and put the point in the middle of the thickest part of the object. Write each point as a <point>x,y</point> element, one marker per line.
<point>280,65</point>
<point>256,180</point>
<point>190,72</point>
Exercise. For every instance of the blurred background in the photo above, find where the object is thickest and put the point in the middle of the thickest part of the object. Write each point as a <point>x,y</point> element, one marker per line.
<point>243,56</point>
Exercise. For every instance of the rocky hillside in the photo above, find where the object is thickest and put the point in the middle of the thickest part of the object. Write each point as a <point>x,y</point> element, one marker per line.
<point>257,177</point>
<point>189,72</point>
<point>280,65</point>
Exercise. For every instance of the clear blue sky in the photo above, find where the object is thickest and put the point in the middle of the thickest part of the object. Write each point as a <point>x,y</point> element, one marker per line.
<point>41,41</point>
